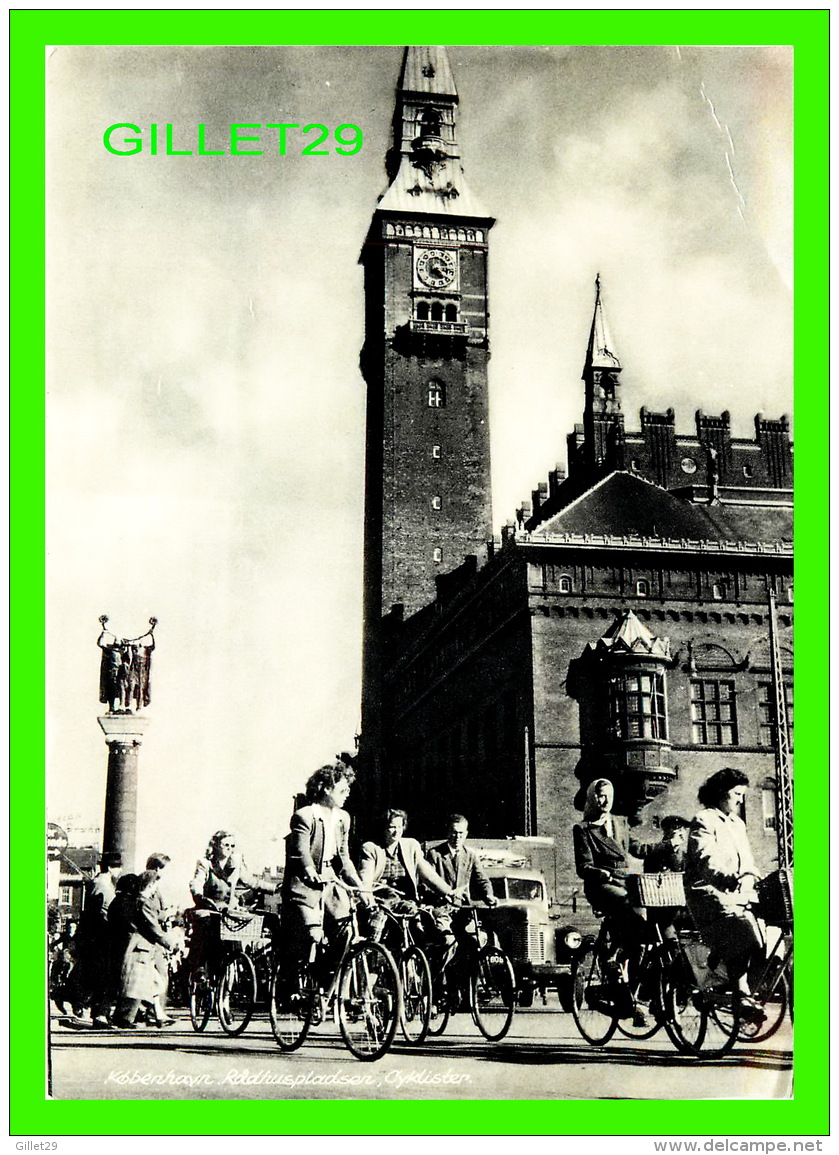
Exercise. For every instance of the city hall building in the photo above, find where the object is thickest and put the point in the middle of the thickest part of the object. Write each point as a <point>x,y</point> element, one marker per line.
<point>621,625</point>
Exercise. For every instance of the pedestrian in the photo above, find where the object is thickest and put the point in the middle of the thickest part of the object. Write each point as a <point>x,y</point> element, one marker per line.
<point>91,975</point>
<point>141,976</point>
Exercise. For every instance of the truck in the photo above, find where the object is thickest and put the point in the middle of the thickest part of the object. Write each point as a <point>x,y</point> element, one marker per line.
<point>529,925</point>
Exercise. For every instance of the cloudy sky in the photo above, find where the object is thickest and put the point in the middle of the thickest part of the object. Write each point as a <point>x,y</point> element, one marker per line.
<point>206,411</point>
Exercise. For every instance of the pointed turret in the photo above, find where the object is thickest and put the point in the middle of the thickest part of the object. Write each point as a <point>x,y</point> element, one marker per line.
<point>423,164</point>
<point>602,417</point>
<point>600,353</point>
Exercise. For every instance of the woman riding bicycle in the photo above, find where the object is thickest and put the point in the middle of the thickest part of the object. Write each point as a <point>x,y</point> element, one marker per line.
<point>720,878</point>
<point>314,908</point>
<point>601,864</point>
<point>221,879</point>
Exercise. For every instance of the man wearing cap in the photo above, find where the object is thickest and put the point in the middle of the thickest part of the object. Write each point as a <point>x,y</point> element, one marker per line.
<point>93,951</point>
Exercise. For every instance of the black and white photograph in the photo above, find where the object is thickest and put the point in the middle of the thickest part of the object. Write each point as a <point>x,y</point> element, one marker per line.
<point>420,711</point>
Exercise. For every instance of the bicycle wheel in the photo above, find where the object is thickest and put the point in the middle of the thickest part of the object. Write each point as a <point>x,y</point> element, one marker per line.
<point>200,999</point>
<point>492,993</point>
<point>773,1001</point>
<point>236,994</point>
<point>291,1007</point>
<point>700,1022</point>
<point>591,1007</point>
<point>415,974</point>
<point>368,1005</point>
<point>440,1009</point>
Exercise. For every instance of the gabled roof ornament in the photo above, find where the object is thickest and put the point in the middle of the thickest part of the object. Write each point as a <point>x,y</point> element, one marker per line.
<point>629,635</point>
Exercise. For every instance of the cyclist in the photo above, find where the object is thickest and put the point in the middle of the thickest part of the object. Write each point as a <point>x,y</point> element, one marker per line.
<point>315,909</point>
<point>399,863</point>
<point>720,878</point>
<point>601,864</point>
<point>221,879</point>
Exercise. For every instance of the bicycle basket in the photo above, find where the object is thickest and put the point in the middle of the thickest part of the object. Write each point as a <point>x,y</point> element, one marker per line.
<point>775,897</point>
<point>240,927</point>
<point>664,889</point>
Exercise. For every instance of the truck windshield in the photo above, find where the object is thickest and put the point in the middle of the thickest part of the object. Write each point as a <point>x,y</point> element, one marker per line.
<point>525,889</point>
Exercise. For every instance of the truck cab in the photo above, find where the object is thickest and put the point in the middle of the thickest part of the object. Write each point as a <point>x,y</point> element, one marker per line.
<point>540,946</point>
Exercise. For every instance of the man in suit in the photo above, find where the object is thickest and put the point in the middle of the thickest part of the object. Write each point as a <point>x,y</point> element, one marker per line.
<point>459,865</point>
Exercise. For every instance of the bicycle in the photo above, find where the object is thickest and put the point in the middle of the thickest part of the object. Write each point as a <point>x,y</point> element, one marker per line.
<point>414,971</point>
<point>226,983</point>
<point>706,1015</point>
<point>364,995</point>
<point>486,972</point>
<point>608,995</point>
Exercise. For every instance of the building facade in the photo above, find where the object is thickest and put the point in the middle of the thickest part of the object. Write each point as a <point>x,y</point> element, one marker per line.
<point>620,627</point>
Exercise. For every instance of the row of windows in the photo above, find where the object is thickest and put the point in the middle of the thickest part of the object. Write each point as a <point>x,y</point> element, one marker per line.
<point>719,590</point>
<point>638,709</point>
<point>435,311</point>
<point>713,712</point>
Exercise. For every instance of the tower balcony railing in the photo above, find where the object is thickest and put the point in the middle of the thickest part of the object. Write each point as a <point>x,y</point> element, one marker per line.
<point>452,328</point>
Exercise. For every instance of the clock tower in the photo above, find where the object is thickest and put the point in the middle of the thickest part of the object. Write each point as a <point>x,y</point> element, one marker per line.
<point>427,496</point>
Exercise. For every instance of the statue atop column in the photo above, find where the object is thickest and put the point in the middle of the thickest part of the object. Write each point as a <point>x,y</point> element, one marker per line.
<point>125,671</point>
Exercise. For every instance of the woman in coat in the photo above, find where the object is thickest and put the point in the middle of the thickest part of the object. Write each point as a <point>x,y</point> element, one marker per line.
<point>720,876</point>
<point>314,908</point>
<point>601,863</point>
<point>141,976</point>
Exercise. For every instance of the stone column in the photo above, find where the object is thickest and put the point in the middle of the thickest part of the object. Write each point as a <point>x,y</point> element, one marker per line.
<point>124,735</point>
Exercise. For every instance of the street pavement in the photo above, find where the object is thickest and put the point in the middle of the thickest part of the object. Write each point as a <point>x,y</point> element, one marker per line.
<point>543,1057</point>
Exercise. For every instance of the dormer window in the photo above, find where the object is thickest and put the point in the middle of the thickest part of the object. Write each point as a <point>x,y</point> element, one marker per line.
<point>566,586</point>
<point>642,588</point>
<point>718,591</point>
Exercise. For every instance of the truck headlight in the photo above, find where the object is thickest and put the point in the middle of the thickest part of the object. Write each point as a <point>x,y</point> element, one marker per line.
<point>573,940</point>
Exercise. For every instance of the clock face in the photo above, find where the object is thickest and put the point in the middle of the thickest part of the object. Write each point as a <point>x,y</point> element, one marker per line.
<point>436,267</point>
<point>688,465</point>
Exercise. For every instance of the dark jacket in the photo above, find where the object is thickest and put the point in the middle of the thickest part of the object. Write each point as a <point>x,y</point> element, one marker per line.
<point>461,870</point>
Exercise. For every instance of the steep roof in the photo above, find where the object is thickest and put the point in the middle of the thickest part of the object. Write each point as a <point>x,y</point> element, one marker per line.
<point>624,504</point>
<point>425,68</point>
<point>600,353</point>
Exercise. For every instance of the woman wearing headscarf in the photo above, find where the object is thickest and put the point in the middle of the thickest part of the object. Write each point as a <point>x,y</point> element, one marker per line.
<point>720,876</point>
<point>601,863</point>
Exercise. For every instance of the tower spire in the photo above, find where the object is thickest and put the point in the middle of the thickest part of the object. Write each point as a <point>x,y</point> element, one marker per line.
<point>600,353</point>
<point>602,417</point>
<point>423,164</point>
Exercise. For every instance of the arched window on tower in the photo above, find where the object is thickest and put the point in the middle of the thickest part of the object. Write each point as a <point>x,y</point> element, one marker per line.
<point>436,394</point>
<point>430,122</point>
<point>451,312</point>
<point>422,310</point>
<point>436,311</point>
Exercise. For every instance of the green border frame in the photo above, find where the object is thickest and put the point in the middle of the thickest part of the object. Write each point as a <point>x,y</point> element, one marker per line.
<point>807,31</point>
